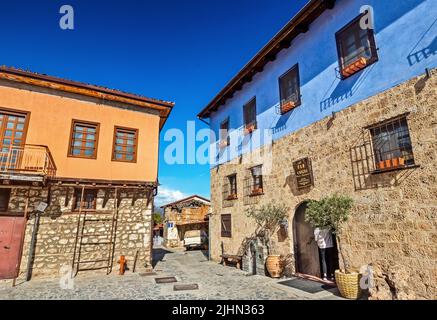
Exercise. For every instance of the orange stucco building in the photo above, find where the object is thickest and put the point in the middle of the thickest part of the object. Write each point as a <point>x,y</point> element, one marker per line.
<point>70,153</point>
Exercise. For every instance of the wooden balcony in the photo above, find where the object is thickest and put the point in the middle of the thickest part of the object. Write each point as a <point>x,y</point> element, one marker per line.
<point>27,163</point>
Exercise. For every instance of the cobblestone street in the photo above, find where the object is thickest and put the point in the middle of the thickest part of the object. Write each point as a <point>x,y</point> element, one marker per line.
<point>214,281</point>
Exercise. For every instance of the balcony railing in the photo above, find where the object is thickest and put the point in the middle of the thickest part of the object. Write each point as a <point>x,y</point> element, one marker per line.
<point>28,160</point>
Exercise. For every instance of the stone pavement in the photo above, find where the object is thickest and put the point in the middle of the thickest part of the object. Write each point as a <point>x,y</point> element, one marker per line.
<point>214,281</point>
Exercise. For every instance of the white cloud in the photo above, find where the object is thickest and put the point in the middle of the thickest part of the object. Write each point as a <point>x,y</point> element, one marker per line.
<point>166,195</point>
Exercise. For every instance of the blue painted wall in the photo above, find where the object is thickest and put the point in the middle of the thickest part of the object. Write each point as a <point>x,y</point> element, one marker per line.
<point>405,33</point>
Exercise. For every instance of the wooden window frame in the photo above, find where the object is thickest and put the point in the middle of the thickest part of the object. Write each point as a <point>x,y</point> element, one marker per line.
<point>114,144</point>
<point>228,138</point>
<point>8,199</point>
<point>75,199</point>
<point>70,144</point>
<point>229,177</point>
<point>226,233</point>
<point>254,185</point>
<point>298,102</point>
<point>247,123</point>
<point>20,113</point>
<point>340,53</point>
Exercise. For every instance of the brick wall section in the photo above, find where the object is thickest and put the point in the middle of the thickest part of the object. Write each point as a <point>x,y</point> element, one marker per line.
<point>58,225</point>
<point>394,220</point>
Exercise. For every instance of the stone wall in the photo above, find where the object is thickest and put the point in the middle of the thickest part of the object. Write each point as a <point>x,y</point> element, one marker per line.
<point>58,227</point>
<point>394,220</point>
<point>184,219</point>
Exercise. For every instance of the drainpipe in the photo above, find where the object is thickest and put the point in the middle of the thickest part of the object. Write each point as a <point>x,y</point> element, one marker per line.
<point>209,236</point>
<point>32,246</point>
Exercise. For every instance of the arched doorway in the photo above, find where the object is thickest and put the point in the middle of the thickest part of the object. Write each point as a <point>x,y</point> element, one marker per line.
<point>306,250</point>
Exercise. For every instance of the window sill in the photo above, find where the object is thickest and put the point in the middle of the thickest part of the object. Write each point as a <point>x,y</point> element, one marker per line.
<point>412,166</point>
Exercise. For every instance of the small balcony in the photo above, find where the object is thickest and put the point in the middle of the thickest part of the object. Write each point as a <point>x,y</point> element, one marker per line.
<point>27,163</point>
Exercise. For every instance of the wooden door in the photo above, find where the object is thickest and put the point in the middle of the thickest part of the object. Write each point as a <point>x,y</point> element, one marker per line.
<point>13,127</point>
<point>305,248</point>
<point>11,242</point>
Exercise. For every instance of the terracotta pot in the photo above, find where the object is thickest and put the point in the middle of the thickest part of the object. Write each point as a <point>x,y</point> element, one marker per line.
<point>287,106</point>
<point>395,162</point>
<point>249,129</point>
<point>223,144</point>
<point>401,161</point>
<point>275,266</point>
<point>381,165</point>
<point>257,191</point>
<point>232,197</point>
<point>354,67</point>
<point>388,164</point>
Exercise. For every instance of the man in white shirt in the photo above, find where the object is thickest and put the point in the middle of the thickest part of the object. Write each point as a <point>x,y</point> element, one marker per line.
<point>324,240</point>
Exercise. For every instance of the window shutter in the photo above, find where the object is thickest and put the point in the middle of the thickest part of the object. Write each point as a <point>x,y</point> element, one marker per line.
<point>226,226</point>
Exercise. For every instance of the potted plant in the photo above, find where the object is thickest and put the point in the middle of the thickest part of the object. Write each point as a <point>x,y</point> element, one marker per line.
<point>257,191</point>
<point>249,128</point>
<point>268,218</point>
<point>353,67</point>
<point>223,144</point>
<point>287,106</point>
<point>331,212</point>
<point>232,196</point>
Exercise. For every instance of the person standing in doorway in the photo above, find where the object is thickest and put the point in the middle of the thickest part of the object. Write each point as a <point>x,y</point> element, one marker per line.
<point>325,242</point>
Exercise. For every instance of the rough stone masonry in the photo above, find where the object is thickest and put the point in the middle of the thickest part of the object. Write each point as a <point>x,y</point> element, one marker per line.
<point>56,233</point>
<point>393,226</point>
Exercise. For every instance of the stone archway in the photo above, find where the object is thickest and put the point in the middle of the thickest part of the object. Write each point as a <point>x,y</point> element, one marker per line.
<point>305,248</point>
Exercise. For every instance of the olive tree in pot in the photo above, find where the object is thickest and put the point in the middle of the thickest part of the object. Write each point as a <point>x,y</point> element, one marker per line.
<point>269,218</point>
<point>331,213</point>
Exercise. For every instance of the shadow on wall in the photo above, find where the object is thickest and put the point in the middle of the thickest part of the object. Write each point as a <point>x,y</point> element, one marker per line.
<point>417,55</point>
<point>344,89</point>
<point>290,181</point>
<point>281,123</point>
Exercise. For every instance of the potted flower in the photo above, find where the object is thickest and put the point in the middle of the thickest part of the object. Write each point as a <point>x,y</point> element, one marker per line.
<point>257,191</point>
<point>331,212</point>
<point>232,196</point>
<point>353,67</point>
<point>268,219</point>
<point>287,106</point>
<point>223,144</point>
<point>249,128</point>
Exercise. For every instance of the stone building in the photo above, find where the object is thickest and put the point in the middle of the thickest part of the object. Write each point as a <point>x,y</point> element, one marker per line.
<point>78,173</point>
<point>191,213</point>
<point>328,107</point>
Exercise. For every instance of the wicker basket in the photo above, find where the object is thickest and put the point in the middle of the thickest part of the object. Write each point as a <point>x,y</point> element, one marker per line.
<point>348,284</point>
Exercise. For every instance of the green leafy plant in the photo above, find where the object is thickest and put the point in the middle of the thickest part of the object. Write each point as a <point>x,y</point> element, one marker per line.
<point>330,213</point>
<point>268,218</point>
<point>157,218</point>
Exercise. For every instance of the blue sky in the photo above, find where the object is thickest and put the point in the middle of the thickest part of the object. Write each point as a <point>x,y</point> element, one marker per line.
<point>179,50</point>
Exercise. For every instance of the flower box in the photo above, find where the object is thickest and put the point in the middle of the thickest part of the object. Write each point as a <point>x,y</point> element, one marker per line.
<point>249,128</point>
<point>353,67</point>
<point>223,144</point>
<point>232,196</point>
<point>257,192</point>
<point>391,163</point>
<point>287,106</point>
